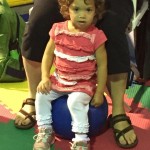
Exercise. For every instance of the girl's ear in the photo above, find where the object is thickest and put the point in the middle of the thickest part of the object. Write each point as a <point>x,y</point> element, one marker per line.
<point>65,12</point>
<point>95,20</point>
<point>67,15</point>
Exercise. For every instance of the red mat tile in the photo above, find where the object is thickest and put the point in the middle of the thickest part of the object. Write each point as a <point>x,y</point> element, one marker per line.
<point>5,113</point>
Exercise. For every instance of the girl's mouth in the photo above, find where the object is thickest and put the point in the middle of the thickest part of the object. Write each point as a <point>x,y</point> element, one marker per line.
<point>81,21</point>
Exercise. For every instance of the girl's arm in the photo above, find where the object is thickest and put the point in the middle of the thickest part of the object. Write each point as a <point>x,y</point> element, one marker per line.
<point>101,58</point>
<point>47,62</point>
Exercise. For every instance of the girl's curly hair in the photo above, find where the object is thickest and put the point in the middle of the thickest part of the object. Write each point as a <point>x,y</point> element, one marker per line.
<point>64,7</point>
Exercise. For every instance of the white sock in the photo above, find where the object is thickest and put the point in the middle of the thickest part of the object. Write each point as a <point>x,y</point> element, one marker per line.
<point>46,126</point>
<point>81,137</point>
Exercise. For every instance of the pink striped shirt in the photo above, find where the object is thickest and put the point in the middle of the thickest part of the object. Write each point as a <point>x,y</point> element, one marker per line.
<point>75,60</point>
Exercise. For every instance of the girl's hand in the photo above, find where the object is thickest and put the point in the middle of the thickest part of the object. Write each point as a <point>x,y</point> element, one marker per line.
<point>98,99</point>
<point>44,86</point>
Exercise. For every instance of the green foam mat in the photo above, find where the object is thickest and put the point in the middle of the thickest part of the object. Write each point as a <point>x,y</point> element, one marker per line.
<point>139,93</point>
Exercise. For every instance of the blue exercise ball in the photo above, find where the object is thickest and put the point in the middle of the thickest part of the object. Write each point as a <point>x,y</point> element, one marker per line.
<point>62,119</point>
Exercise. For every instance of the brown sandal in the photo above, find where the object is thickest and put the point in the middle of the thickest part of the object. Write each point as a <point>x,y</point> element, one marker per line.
<point>119,133</point>
<point>28,101</point>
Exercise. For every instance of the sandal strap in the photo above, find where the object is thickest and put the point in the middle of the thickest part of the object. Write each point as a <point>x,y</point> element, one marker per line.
<point>29,101</point>
<point>122,133</point>
<point>119,118</point>
<point>28,115</point>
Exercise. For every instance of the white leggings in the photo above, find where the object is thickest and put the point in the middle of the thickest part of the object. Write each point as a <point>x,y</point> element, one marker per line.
<point>78,104</point>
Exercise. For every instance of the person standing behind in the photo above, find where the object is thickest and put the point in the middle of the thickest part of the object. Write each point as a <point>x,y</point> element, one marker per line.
<point>35,38</point>
<point>79,68</point>
<point>114,24</point>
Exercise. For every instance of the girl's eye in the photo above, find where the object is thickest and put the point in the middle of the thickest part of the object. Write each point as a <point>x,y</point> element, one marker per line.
<point>89,9</point>
<point>76,9</point>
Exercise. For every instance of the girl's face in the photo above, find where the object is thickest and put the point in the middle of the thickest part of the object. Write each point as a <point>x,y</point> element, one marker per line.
<point>82,14</point>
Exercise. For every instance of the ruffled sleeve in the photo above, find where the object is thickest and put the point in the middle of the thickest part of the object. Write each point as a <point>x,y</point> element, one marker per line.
<point>52,31</point>
<point>99,39</point>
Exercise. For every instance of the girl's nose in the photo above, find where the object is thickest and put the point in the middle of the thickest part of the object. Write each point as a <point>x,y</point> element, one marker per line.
<point>82,15</point>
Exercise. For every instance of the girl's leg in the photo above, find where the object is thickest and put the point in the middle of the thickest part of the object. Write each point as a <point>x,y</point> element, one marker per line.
<point>43,107</point>
<point>78,104</point>
<point>45,136</point>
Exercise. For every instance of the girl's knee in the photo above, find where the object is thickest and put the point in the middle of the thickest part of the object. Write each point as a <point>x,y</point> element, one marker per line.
<point>78,100</point>
<point>71,103</point>
<point>40,97</point>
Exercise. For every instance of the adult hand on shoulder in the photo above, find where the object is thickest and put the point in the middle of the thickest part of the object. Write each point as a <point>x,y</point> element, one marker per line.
<point>44,86</point>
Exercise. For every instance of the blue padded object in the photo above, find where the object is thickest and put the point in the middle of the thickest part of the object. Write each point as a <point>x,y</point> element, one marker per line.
<point>62,118</point>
